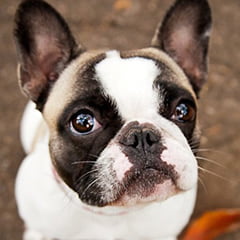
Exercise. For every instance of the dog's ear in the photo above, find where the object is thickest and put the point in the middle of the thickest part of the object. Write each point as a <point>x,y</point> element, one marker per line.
<point>184,35</point>
<point>45,46</point>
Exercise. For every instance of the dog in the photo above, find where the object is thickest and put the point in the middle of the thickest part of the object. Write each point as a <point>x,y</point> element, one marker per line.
<point>109,134</point>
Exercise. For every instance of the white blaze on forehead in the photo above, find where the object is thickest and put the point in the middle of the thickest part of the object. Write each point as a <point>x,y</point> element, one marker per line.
<point>129,82</point>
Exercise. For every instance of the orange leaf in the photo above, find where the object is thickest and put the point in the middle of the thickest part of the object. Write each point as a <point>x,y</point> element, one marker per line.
<point>212,224</point>
<point>122,5</point>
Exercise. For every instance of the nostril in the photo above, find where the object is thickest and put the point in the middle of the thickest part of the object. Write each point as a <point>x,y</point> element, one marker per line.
<point>135,142</point>
<point>150,138</point>
<point>132,139</point>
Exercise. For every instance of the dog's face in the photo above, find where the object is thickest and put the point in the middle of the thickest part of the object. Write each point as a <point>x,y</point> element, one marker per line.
<point>121,123</point>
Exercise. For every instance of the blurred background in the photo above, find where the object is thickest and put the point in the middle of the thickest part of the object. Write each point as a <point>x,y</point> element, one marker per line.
<point>130,24</point>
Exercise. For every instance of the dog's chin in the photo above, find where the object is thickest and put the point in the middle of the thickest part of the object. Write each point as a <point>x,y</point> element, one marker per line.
<point>158,193</point>
<point>127,203</point>
<point>138,193</point>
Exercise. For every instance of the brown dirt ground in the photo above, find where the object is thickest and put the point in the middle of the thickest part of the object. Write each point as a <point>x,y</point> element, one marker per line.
<point>97,24</point>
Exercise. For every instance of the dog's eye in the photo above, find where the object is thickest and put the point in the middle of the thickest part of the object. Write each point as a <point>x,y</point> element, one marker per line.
<point>184,112</point>
<point>83,122</point>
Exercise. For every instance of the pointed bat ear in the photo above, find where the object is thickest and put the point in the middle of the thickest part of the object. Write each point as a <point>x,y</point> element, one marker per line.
<point>184,35</point>
<point>45,46</point>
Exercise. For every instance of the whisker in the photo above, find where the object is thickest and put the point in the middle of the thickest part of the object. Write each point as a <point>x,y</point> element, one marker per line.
<point>193,139</point>
<point>204,149</point>
<point>89,185</point>
<point>194,145</point>
<point>211,161</point>
<point>209,150</point>
<point>86,174</point>
<point>213,174</point>
<point>194,148</point>
<point>203,184</point>
<point>193,142</point>
<point>93,155</point>
<point>77,162</point>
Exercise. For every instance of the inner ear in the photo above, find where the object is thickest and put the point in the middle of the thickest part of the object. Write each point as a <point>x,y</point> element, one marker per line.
<point>45,46</point>
<point>184,35</point>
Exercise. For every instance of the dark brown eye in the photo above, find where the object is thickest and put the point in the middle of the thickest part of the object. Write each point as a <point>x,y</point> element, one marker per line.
<point>83,122</point>
<point>184,112</point>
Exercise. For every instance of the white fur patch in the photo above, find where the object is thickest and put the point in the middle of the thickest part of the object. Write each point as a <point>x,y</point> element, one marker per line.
<point>121,164</point>
<point>129,83</point>
<point>182,158</point>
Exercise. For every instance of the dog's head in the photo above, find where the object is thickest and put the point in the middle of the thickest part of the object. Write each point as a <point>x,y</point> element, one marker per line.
<point>121,123</point>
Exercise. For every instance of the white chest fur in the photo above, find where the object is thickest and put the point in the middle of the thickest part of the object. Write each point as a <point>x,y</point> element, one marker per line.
<point>52,209</point>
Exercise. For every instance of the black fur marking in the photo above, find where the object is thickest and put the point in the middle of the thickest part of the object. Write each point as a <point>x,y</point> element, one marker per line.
<point>80,152</point>
<point>173,94</point>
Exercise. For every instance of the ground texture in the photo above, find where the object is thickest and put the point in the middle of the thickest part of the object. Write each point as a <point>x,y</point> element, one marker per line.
<point>127,25</point>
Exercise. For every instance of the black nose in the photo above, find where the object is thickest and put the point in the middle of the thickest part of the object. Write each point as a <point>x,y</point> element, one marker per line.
<point>140,138</point>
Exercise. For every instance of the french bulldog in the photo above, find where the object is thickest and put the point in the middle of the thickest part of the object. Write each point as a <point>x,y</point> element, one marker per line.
<point>110,136</point>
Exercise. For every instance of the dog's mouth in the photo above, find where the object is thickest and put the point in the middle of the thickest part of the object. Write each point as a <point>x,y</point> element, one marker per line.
<point>140,185</point>
<point>147,185</point>
<point>138,193</point>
